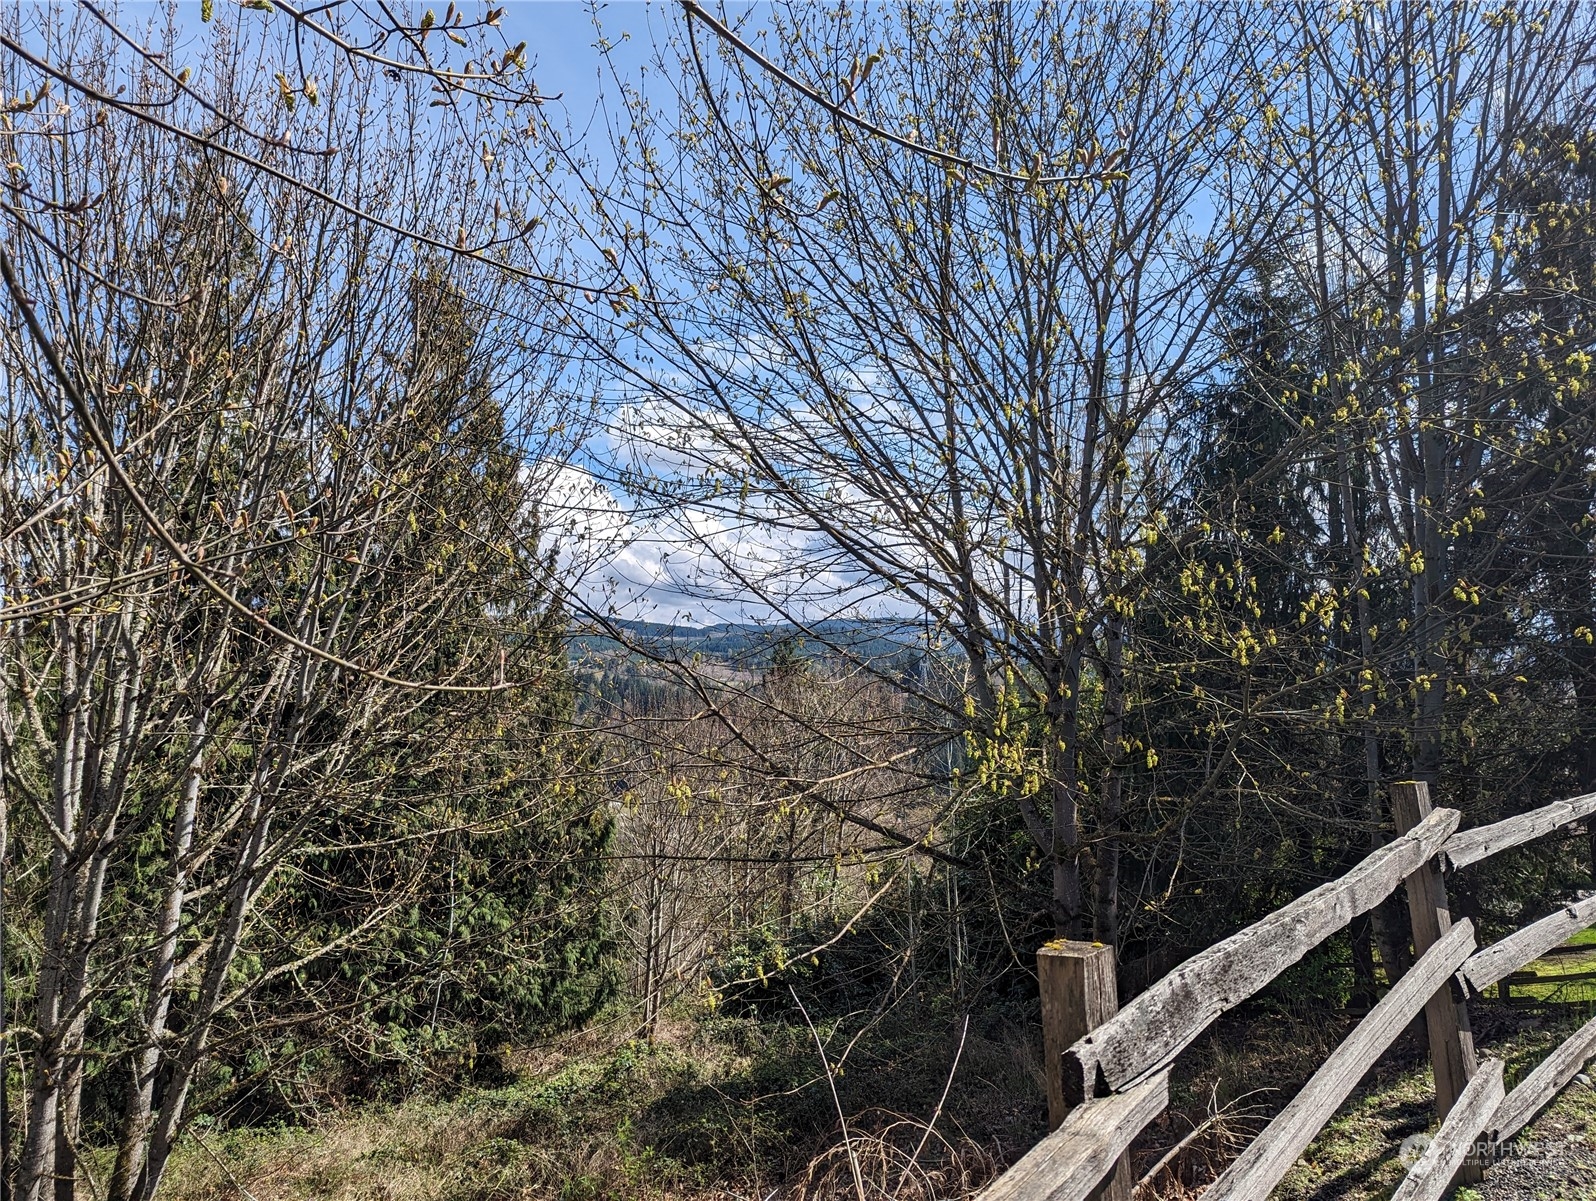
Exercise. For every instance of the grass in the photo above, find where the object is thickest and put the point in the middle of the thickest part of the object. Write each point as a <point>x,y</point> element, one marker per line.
<point>714,1108</point>
<point>1580,991</point>
<point>1245,1069</point>
<point>567,1134</point>
<point>1357,1157</point>
<point>735,1107</point>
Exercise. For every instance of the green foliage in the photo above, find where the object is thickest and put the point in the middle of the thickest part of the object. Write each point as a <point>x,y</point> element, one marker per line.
<point>1321,980</point>
<point>507,938</point>
<point>470,898</point>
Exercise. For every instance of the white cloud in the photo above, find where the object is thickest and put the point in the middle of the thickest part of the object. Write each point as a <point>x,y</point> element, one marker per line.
<point>655,539</point>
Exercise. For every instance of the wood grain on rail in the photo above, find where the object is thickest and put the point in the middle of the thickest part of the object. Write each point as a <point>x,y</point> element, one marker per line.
<point>1435,1169</point>
<point>1072,1161</point>
<point>1152,1030</point>
<point>1270,1156</point>
<point>1470,846</point>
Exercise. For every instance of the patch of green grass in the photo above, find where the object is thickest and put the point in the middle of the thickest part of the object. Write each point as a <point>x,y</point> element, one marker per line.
<point>1556,991</point>
<point>1573,993</point>
<point>562,1135</point>
<point>716,1106</point>
<point>1357,1155</point>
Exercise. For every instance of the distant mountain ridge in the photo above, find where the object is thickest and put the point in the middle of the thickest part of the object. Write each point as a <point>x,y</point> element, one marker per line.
<point>749,645</point>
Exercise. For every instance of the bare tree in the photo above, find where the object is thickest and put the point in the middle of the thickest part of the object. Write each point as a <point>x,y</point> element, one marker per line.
<point>1412,126</point>
<point>938,369</point>
<point>272,537</point>
<point>751,814</point>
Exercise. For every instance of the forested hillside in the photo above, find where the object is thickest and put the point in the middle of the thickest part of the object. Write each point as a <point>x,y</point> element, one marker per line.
<point>572,645</point>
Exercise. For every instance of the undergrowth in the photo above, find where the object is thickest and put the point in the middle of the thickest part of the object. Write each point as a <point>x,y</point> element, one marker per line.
<point>739,1107</point>
<point>713,1107</point>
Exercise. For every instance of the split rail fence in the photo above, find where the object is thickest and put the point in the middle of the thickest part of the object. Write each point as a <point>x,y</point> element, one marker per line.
<point>1108,1068</point>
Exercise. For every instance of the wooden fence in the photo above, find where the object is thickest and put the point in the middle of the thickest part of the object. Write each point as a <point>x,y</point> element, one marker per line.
<point>1108,1070</point>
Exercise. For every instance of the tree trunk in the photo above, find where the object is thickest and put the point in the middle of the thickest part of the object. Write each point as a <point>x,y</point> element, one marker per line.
<point>1105,916</point>
<point>138,1108</point>
<point>1063,776</point>
<point>173,1112</point>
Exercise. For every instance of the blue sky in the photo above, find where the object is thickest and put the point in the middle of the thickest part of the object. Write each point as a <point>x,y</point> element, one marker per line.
<point>668,568</point>
<point>645,568</point>
<point>560,34</point>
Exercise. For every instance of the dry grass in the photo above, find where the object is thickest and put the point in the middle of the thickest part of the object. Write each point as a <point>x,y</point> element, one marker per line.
<point>739,1109</point>
<point>896,1157</point>
<point>712,1111</point>
<point>556,1134</point>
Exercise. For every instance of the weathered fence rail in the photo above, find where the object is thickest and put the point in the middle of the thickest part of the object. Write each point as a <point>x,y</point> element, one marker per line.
<point>1112,1079</point>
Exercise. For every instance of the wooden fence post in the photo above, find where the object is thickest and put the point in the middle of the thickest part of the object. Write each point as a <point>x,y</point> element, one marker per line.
<point>1079,993</point>
<point>1446,1016</point>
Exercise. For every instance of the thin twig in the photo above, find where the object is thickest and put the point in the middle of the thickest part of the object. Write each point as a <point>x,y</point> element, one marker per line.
<point>231,1179</point>
<point>831,1080</point>
<point>696,11</point>
<point>1214,1117</point>
<point>936,1113</point>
